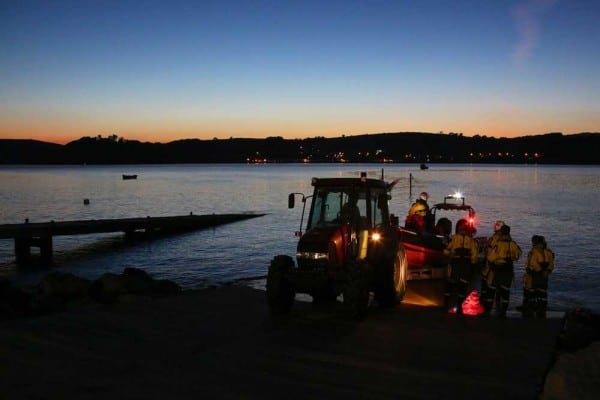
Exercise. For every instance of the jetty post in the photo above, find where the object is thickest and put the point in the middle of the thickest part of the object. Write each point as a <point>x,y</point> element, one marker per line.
<point>23,246</point>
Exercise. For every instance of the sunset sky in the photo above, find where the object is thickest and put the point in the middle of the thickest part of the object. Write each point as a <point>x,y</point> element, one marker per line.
<point>165,70</point>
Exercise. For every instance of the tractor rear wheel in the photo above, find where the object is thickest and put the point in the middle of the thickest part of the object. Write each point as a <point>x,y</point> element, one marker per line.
<point>401,273</point>
<point>280,291</point>
<point>356,291</point>
<point>391,280</point>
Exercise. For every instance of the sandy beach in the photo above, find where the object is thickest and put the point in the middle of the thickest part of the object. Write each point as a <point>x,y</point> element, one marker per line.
<point>222,343</point>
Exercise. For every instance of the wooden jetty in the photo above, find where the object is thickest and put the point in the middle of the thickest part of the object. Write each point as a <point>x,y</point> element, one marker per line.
<point>40,235</point>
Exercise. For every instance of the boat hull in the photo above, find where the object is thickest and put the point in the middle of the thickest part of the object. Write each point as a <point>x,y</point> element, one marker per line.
<point>425,254</point>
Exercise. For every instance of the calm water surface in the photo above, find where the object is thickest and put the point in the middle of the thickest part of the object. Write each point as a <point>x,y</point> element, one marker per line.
<point>558,202</point>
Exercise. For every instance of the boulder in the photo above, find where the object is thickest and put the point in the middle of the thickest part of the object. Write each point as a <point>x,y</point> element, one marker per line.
<point>110,287</point>
<point>14,302</point>
<point>64,286</point>
<point>580,328</point>
<point>106,288</point>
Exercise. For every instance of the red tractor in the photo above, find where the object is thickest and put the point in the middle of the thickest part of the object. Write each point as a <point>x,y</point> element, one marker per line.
<point>350,247</point>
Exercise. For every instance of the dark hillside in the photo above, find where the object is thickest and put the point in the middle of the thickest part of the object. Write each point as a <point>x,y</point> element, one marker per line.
<point>29,151</point>
<point>401,147</point>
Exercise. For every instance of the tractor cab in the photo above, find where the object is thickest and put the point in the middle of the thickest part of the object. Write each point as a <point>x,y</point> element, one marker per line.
<point>362,205</point>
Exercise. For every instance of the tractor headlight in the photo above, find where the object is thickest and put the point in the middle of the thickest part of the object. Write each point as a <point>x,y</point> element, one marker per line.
<point>375,236</point>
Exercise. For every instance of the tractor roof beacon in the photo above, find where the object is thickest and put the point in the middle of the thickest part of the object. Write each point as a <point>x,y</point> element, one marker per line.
<point>350,247</point>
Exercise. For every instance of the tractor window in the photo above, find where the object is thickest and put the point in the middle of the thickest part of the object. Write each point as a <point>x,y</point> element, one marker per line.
<point>326,207</point>
<point>329,206</point>
<point>378,208</point>
<point>363,207</point>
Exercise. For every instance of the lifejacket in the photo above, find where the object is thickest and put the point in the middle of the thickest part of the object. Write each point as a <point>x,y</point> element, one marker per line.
<point>462,248</point>
<point>540,259</point>
<point>491,242</point>
<point>489,246</point>
<point>501,259</point>
<point>527,281</point>
<point>504,252</point>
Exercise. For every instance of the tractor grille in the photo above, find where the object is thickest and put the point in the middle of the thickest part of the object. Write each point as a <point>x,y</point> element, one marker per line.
<point>311,264</point>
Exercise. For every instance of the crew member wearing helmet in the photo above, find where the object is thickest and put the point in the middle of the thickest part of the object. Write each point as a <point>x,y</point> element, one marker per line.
<point>539,264</point>
<point>501,258</point>
<point>463,256</point>
<point>418,214</point>
<point>485,268</point>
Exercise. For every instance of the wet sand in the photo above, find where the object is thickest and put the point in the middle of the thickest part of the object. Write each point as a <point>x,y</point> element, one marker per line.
<point>222,343</point>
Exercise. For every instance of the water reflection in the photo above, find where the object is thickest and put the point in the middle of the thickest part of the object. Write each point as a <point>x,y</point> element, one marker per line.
<point>555,201</point>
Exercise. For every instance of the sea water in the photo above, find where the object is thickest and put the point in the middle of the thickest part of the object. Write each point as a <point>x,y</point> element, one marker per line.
<point>558,202</point>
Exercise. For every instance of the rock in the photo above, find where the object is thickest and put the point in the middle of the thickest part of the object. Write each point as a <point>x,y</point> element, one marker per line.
<point>133,282</point>
<point>14,302</point>
<point>167,288</point>
<point>138,281</point>
<point>64,286</point>
<point>107,288</point>
<point>581,327</point>
<point>574,375</point>
<point>57,289</point>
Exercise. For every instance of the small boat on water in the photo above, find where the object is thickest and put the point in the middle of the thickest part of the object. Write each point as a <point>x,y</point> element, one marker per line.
<point>127,177</point>
<point>424,166</point>
<point>425,248</point>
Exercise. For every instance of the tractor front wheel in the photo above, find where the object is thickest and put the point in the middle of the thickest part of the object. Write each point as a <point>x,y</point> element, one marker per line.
<point>280,291</point>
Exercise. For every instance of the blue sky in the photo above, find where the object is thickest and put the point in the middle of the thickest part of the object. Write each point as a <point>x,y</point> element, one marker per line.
<point>166,70</point>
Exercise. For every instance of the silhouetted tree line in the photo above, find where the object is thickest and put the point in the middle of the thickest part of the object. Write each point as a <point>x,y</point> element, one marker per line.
<point>401,147</point>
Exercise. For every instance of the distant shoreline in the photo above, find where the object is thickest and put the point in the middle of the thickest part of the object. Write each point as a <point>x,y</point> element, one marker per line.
<point>384,148</point>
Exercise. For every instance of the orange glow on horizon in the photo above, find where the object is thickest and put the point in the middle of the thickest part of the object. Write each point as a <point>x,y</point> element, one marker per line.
<point>62,133</point>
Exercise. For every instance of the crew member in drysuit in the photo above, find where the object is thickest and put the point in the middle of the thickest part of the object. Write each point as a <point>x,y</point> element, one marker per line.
<point>485,268</point>
<point>462,253</point>
<point>539,264</point>
<point>418,214</point>
<point>501,260</point>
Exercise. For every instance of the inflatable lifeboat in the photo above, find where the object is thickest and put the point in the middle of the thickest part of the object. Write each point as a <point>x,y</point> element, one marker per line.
<point>425,246</point>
